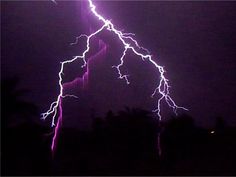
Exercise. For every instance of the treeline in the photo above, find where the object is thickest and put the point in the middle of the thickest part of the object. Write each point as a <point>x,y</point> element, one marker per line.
<point>130,142</point>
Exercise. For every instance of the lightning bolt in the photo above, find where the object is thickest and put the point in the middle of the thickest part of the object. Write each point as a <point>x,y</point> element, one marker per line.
<point>129,44</point>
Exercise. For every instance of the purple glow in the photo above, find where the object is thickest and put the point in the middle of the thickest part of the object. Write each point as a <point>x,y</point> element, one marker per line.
<point>76,82</point>
<point>84,79</point>
<point>59,121</point>
<point>129,44</point>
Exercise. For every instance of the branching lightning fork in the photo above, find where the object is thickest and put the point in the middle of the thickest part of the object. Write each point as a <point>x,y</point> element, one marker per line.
<point>130,44</point>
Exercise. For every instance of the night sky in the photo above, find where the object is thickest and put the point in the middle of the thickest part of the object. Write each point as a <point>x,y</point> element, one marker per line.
<point>194,41</point>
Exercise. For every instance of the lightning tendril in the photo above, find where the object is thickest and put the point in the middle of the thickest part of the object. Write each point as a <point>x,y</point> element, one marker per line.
<point>129,44</point>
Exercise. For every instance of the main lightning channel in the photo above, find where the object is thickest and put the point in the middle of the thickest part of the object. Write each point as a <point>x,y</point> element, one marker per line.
<point>130,44</point>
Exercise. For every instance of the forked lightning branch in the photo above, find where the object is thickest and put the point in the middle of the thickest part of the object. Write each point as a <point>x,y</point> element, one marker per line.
<point>161,92</point>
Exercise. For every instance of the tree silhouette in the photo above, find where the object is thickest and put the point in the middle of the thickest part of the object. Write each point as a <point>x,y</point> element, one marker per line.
<point>13,102</point>
<point>130,138</point>
<point>220,125</point>
<point>23,150</point>
<point>178,139</point>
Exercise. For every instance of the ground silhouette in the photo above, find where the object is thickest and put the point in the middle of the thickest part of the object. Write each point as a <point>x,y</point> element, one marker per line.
<point>123,143</point>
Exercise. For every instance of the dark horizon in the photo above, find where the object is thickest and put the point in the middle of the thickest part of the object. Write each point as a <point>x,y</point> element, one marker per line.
<point>128,143</point>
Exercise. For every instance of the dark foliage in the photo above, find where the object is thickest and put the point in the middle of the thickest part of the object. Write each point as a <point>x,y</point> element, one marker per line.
<point>24,149</point>
<point>122,144</point>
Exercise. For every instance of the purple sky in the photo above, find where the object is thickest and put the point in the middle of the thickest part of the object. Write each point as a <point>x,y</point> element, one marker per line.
<point>195,41</point>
